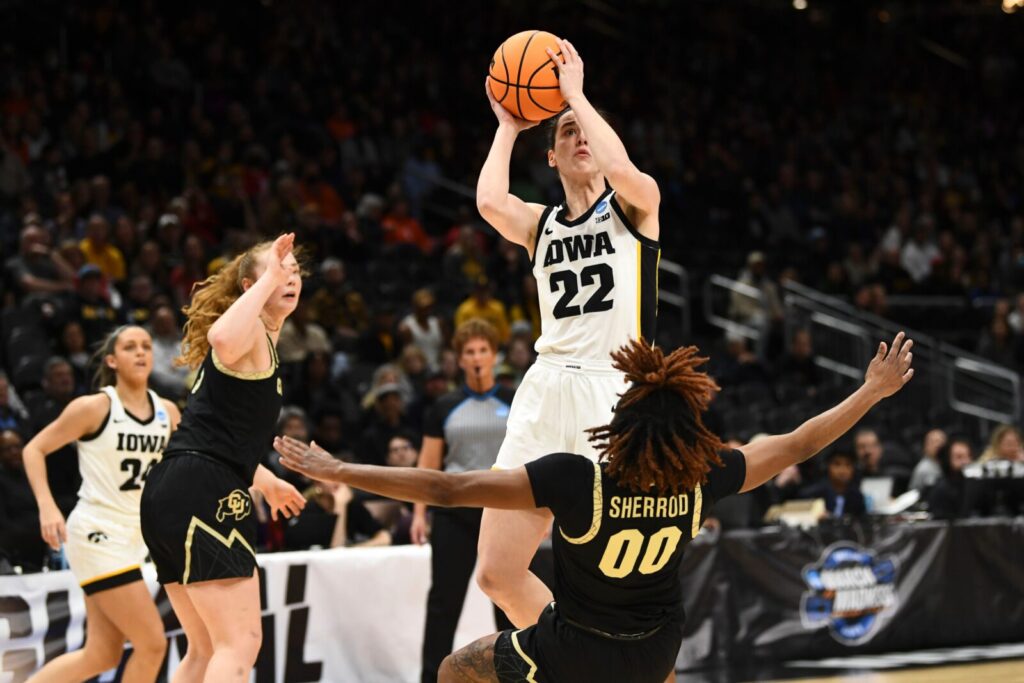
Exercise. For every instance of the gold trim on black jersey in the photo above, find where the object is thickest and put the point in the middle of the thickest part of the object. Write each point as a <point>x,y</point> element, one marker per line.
<point>595,523</point>
<point>698,501</point>
<point>250,376</point>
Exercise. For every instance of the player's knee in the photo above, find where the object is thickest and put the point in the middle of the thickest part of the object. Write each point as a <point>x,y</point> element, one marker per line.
<point>103,657</point>
<point>152,645</point>
<point>494,580</point>
<point>244,645</point>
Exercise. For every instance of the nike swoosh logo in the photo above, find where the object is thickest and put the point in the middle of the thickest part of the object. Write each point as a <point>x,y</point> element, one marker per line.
<point>123,419</point>
<point>548,231</point>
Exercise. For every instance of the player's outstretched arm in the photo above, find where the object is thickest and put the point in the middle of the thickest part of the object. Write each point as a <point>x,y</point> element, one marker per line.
<point>638,189</point>
<point>888,372</point>
<point>514,219</point>
<point>502,489</point>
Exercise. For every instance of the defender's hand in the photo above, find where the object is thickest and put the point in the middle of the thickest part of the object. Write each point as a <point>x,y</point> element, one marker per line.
<point>890,368</point>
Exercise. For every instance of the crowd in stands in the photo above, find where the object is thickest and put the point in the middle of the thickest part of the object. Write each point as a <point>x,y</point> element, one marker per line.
<point>866,152</point>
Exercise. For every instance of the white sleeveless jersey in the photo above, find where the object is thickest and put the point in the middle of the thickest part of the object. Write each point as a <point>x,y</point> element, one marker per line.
<point>597,281</point>
<point>116,459</point>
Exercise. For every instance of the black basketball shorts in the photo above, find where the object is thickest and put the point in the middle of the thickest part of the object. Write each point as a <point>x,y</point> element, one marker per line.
<point>198,520</point>
<point>554,651</point>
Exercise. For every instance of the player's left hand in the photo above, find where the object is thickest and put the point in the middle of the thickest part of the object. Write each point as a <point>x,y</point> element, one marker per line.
<point>283,498</point>
<point>570,69</point>
<point>311,461</point>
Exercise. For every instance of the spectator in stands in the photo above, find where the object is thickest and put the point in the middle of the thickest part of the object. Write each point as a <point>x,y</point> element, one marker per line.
<point>329,432</point>
<point>423,328</point>
<point>192,269</point>
<point>483,305</point>
<point>759,311</point>
<point>58,388</point>
<point>100,252</point>
<point>38,269</point>
<point>946,497</point>
<point>928,470</point>
<point>797,368</point>
<point>386,421</point>
<point>738,365</point>
<point>839,489</point>
<point>413,364</point>
<point>463,263</point>
<point>1004,444</point>
<point>876,460</point>
<point>377,344</point>
<point>335,520</point>
<point>315,391</point>
<point>402,228</point>
<point>92,307</point>
<point>137,307</point>
<point>12,415</point>
<point>301,336</point>
<point>997,343</point>
<point>519,358</point>
<point>920,253</point>
<point>73,348</point>
<point>21,543</point>
<point>167,378</point>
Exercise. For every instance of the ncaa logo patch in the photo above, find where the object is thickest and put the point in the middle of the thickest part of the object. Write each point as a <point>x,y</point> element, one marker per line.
<point>851,591</point>
<point>501,411</point>
<point>601,207</point>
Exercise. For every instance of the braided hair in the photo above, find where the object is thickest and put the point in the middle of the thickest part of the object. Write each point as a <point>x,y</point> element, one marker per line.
<point>657,438</point>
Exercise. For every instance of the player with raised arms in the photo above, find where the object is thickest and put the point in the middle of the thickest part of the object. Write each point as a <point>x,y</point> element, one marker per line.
<point>595,258</point>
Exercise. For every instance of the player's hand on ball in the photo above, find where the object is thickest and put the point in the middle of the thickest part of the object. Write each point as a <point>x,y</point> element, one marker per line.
<point>570,69</point>
<point>309,460</point>
<point>890,368</point>
<point>283,498</point>
<point>51,524</point>
<point>503,115</point>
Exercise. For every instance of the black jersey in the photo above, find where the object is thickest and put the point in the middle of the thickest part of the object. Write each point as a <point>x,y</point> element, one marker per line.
<point>230,415</point>
<point>617,552</point>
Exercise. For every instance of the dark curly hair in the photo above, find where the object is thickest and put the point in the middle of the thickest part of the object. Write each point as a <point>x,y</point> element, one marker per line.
<point>657,438</point>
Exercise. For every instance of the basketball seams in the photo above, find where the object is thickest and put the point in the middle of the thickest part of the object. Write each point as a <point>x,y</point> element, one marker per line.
<point>534,87</point>
<point>504,63</point>
<point>519,72</point>
<point>541,87</point>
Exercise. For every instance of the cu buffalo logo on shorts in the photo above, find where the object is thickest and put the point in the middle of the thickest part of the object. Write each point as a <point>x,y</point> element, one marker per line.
<point>851,590</point>
<point>236,504</point>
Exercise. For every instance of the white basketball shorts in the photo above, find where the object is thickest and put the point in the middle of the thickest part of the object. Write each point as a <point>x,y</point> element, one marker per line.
<point>104,547</point>
<point>558,399</point>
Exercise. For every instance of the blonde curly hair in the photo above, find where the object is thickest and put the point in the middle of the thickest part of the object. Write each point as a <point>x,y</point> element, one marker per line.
<point>210,298</point>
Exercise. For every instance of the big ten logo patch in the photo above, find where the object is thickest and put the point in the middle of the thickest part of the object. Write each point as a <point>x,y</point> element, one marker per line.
<point>851,590</point>
<point>236,504</point>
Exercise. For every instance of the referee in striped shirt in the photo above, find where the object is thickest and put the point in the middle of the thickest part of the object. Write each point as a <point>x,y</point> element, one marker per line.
<point>462,431</point>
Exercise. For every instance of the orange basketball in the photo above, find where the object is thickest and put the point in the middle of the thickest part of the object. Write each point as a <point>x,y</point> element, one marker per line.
<point>523,78</point>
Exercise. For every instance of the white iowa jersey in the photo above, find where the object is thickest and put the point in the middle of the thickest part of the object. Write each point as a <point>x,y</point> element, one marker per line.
<point>597,281</point>
<point>116,459</point>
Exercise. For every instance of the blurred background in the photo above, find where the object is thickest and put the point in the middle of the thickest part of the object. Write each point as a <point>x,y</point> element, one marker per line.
<point>831,172</point>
